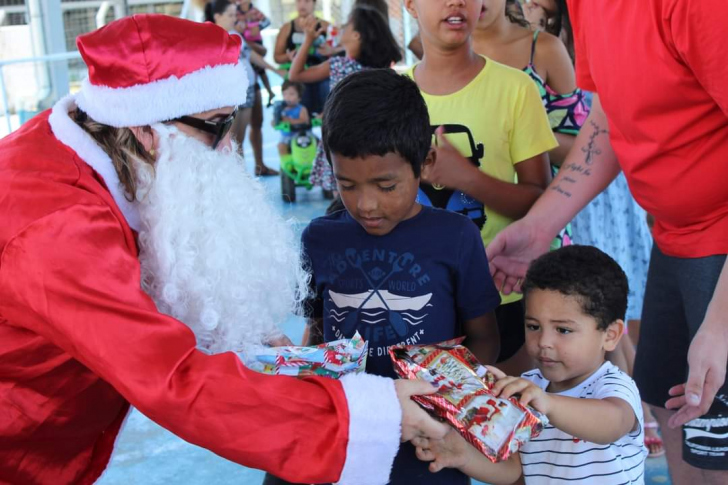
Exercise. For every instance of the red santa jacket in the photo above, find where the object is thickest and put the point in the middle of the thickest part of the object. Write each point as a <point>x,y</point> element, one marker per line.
<point>80,340</point>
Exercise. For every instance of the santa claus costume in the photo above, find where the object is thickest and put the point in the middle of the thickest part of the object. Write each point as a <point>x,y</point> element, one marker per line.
<point>80,340</point>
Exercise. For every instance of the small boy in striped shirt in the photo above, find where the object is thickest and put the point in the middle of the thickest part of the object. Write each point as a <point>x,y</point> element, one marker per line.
<point>576,299</point>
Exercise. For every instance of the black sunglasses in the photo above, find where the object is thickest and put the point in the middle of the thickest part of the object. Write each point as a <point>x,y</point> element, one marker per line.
<point>217,128</point>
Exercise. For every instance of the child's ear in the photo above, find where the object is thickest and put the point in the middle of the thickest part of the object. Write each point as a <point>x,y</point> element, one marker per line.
<point>410,6</point>
<point>613,334</point>
<point>428,163</point>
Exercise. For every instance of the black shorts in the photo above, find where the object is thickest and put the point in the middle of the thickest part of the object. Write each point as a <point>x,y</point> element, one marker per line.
<point>676,299</point>
<point>511,327</point>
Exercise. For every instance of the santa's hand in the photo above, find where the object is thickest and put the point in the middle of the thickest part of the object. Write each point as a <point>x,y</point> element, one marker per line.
<point>415,421</point>
<point>450,452</point>
<point>450,168</point>
<point>512,250</point>
<point>280,341</point>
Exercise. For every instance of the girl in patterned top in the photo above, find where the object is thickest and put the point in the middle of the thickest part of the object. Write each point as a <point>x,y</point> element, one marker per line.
<point>504,35</point>
<point>368,43</point>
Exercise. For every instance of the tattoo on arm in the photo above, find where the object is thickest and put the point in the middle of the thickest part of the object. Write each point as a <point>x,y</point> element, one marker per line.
<point>573,168</point>
<point>591,149</point>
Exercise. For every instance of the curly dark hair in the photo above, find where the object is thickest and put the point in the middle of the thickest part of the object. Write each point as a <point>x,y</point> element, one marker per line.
<point>586,273</point>
<point>376,112</point>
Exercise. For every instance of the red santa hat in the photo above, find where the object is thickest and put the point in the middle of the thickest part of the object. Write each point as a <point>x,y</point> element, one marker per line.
<point>150,68</point>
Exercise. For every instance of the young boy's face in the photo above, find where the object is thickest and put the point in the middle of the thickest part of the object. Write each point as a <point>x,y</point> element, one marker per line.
<point>291,97</point>
<point>378,191</point>
<point>565,342</point>
<point>445,23</point>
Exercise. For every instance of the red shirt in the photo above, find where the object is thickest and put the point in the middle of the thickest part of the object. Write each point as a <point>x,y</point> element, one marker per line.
<point>660,69</point>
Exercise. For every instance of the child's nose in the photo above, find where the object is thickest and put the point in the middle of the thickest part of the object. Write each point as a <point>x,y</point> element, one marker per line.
<point>367,203</point>
<point>545,341</point>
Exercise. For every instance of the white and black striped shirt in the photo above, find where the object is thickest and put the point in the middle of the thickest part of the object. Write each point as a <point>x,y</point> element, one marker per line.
<point>556,457</point>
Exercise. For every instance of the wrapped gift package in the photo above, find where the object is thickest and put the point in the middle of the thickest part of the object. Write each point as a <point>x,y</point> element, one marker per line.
<point>331,359</point>
<point>497,427</point>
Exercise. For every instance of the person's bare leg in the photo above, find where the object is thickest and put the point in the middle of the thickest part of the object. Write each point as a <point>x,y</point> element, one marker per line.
<point>256,136</point>
<point>242,120</point>
<point>266,84</point>
<point>681,472</point>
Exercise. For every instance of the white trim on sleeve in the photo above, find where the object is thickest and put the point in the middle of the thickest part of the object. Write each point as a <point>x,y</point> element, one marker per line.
<point>375,420</point>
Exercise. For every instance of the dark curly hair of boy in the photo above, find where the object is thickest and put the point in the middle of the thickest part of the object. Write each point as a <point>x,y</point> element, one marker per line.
<point>586,273</point>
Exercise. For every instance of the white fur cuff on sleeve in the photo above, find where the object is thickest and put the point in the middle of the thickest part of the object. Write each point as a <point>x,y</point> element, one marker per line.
<point>375,420</point>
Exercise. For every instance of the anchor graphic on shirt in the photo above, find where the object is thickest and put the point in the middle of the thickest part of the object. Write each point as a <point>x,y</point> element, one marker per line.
<point>395,306</point>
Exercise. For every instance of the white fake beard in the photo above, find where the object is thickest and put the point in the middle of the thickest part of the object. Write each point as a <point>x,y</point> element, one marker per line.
<point>214,254</point>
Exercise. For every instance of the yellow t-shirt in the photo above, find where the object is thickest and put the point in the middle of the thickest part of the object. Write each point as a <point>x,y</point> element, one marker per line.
<point>500,110</point>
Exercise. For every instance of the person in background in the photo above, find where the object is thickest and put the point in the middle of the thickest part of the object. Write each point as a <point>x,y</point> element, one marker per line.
<point>368,43</point>
<point>513,10</point>
<point>250,23</point>
<point>380,6</point>
<point>635,56</point>
<point>502,34</point>
<point>290,38</point>
<point>223,14</point>
<point>492,140</point>
<point>550,16</point>
<point>293,112</point>
<point>255,21</point>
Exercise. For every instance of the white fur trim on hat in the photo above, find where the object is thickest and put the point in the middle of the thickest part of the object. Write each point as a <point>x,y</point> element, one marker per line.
<point>375,420</point>
<point>74,137</point>
<point>145,104</point>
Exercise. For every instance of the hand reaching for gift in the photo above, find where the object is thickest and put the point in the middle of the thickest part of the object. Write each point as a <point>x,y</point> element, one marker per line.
<point>449,452</point>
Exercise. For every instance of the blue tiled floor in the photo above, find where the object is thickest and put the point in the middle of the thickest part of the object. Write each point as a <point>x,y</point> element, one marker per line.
<point>150,455</point>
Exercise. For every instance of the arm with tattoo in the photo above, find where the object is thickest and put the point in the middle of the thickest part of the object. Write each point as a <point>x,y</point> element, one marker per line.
<point>588,168</point>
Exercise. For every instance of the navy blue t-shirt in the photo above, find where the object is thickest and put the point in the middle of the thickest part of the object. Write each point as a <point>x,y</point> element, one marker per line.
<point>416,285</point>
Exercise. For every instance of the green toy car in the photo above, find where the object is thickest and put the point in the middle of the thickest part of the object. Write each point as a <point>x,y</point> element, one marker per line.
<point>296,166</point>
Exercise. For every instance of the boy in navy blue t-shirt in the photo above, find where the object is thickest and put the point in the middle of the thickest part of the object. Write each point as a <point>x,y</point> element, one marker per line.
<point>397,272</point>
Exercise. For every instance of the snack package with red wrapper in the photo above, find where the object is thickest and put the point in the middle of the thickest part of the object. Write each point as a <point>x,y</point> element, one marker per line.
<point>497,427</point>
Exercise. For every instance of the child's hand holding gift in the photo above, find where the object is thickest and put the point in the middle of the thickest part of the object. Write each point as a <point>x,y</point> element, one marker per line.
<point>450,452</point>
<point>454,452</point>
<point>530,393</point>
